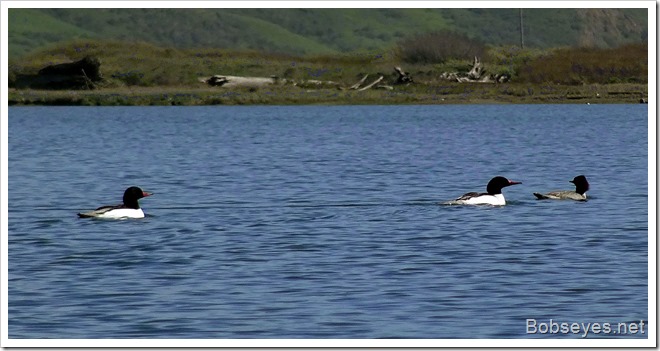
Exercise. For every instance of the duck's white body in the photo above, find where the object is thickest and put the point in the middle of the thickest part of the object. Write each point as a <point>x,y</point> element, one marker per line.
<point>493,196</point>
<point>481,199</point>
<point>114,213</point>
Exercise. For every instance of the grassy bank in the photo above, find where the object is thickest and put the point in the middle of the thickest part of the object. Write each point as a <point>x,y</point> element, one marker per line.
<point>144,74</point>
<point>451,93</point>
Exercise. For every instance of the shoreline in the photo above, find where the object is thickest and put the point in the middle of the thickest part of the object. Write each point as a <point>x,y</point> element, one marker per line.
<point>437,94</point>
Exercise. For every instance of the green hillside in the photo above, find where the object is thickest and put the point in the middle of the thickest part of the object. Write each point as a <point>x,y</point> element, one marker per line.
<point>322,31</point>
<point>33,28</point>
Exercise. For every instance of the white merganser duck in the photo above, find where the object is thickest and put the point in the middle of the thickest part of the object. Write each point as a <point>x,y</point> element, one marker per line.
<point>580,193</point>
<point>492,196</point>
<point>129,209</point>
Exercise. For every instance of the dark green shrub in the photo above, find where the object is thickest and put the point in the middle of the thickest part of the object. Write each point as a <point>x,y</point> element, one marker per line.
<point>438,47</point>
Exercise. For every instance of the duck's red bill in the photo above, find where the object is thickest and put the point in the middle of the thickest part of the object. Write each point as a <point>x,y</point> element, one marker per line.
<point>145,194</point>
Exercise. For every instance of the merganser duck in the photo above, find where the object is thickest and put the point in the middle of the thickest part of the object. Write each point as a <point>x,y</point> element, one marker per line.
<point>492,196</point>
<point>580,193</point>
<point>129,209</point>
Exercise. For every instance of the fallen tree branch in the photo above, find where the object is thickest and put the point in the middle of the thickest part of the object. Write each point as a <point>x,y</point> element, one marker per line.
<point>372,84</point>
<point>357,85</point>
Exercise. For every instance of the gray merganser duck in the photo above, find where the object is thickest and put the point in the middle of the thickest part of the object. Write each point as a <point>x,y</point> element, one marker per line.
<point>130,208</point>
<point>580,193</point>
<point>492,196</point>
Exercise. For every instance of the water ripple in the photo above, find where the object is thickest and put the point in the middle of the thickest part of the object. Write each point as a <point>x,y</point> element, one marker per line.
<point>324,222</point>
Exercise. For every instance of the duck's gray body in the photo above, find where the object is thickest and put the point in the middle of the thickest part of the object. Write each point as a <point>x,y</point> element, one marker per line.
<point>561,195</point>
<point>580,193</point>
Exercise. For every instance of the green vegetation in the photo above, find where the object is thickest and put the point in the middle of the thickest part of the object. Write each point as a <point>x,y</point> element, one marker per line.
<point>147,65</point>
<point>439,47</point>
<point>32,28</point>
<point>157,56</point>
<point>322,31</point>
<point>145,74</point>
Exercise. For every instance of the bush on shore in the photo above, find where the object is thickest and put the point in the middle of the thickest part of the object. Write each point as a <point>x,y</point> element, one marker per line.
<point>439,47</point>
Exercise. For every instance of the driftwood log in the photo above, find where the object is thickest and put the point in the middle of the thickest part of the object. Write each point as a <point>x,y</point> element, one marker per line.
<point>237,81</point>
<point>402,77</point>
<point>359,83</point>
<point>476,74</point>
<point>253,82</point>
<point>82,74</point>
<point>477,70</point>
<point>375,84</point>
<point>371,84</point>
<point>216,81</point>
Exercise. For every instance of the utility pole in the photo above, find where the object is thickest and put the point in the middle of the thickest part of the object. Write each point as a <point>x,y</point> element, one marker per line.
<point>522,33</point>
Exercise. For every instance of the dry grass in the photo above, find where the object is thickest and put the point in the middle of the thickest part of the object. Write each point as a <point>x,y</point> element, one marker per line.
<point>627,64</point>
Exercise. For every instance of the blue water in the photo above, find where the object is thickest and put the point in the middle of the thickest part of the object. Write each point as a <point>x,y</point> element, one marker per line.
<point>323,222</point>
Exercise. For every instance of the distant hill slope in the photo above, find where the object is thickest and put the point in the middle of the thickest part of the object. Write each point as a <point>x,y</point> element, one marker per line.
<point>322,31</point>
